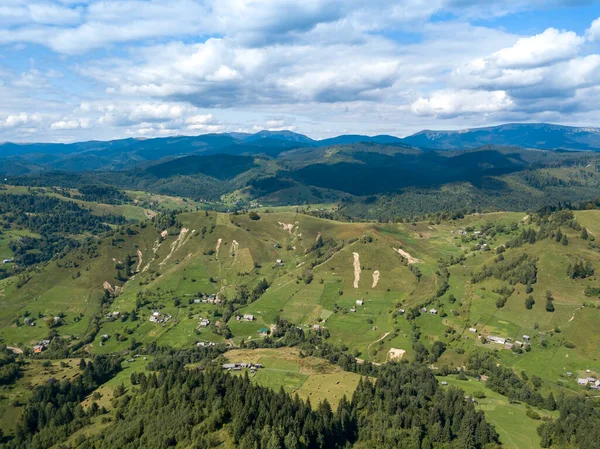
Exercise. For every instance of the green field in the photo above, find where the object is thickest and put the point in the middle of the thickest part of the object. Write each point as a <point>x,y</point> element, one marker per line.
<point>309,377</point>
<point>516,429</point>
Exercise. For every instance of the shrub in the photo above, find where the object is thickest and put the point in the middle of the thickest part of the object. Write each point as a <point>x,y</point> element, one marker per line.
<point>533,414</point>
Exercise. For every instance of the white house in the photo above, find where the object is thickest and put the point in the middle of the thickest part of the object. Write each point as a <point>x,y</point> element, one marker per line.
<point>472,329</point>
<point>582,382</point>
<point>360,302</point>
<point>204,322</point>
<point>433,311</point>
<point>248,317</point>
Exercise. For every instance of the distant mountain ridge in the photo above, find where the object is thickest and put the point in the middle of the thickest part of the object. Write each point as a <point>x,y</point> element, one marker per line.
<point>22,158</point>
<point>540,136</point>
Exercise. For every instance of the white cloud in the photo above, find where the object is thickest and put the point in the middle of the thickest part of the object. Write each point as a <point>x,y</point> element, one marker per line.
<point>21,119</point>
<point>150,67</point>
<point>593,32</point>
<point>220,73</point>
<point>70,124</point>
<point>274,124</point>
<point>451,103</point>
<point>73,27</point>
<point>538,73</point>
<point>549,47</point>
<point>32,79</point>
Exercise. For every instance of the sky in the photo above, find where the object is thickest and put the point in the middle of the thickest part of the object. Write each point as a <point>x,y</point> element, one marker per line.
<point>73,70</point>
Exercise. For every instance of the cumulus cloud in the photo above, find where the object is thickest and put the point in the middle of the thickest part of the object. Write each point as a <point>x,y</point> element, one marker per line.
<point>451,103</point>
<point>549,47</point>
<point>220,73</point>
<point>274,124</point>
<point>70,124</point>
<point>152,68</point>
<point>15,120</point>
<point>542,73</point>
<point>593,32</point>
<point>74,27</point>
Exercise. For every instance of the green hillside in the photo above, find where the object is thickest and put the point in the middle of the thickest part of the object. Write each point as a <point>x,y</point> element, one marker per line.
<point>361,295</point>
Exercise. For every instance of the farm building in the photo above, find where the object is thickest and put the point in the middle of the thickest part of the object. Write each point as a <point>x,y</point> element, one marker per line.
<point>41,346</point>
<point>263,331</point>
<point>472,329</point>
<point>582,382</point>
<point>158,317</point>
<point>204,322</point>
<point>213,299</point>
<point>360,302</point>
<point>433,311</point>
<point>239,366</point>
<point>248,317</point>
<point>495,339</point>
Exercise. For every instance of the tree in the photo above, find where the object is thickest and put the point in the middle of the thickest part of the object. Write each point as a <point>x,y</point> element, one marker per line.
<point>584,234</point>
<point>291,441</point>
<point>529,302</point>
<point>82,364</point>
<point>438,349</point>
<point>308,276</point>
<point>119,391</point>
<point>549,306</point>
<point>253,216</point>
<point>565,240</point>
<point>550,402</point>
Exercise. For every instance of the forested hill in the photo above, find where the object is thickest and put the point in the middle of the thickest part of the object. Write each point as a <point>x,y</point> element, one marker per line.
<point>366,180</point>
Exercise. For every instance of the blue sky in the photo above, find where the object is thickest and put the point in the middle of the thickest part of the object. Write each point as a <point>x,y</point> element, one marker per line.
<point>79,70</point>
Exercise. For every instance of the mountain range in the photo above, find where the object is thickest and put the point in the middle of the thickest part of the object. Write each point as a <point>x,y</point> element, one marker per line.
<point>505,167</point>
<point>21,158</point>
